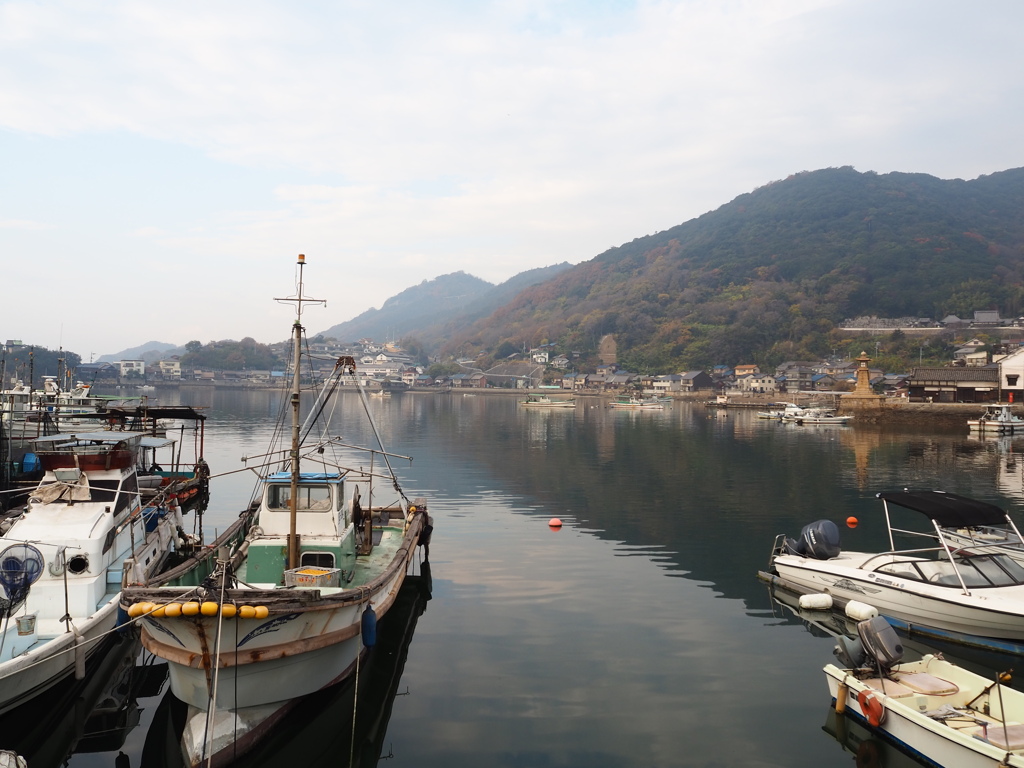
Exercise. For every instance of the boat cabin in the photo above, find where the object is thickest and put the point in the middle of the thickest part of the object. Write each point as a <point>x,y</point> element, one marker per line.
<point>326,534</point>
<point>319,508</point>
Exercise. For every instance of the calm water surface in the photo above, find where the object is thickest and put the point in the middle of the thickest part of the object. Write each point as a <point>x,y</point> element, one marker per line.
<point>638,634</point>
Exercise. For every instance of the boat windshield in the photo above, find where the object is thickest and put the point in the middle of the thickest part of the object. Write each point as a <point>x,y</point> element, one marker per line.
<point>990,570</point>
<point>311,498</point>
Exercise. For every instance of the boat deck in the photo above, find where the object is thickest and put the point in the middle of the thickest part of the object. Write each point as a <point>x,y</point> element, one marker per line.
<point>386,541</point>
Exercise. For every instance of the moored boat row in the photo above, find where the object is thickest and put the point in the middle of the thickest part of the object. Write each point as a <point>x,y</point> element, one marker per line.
<point>966,586</point>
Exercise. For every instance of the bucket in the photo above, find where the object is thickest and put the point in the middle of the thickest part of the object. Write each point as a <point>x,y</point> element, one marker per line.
<point>26,624</point>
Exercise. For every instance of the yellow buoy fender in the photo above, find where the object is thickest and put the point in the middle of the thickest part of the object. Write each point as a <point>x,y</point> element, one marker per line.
<point>841,693</point>
<point>209,608</point>
<point>173,610</point>
<point>190,609</point>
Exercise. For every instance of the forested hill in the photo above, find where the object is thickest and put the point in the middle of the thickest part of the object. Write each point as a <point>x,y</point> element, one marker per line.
<point>769,275</point>
<point>429,311</point>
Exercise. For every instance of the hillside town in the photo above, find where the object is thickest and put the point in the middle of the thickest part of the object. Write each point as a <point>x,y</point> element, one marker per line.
<point>977,372</point>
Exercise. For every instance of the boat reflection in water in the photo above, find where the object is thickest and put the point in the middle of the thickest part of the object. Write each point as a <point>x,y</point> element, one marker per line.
<point>94,714</point>
<point>319,730</point>
<point>866,748</point>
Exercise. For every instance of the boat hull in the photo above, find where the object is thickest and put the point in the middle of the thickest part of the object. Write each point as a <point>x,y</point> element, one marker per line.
<point>40,668</point>
<point>253,669</point>
<point>936,742</point>
<point>995,612</point>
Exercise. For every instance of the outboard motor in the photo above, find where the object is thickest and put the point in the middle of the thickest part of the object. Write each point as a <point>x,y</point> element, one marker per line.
<point>818,540</point>
<point>849,652</point>
<point>881,643</point>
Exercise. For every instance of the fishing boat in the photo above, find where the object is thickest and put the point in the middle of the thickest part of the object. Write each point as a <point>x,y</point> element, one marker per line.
<point>997,419</point>
<point>814,415</point>
<point>291,609</point>
<point>949,585</point>
<point>777,411</point>
<point>544,401</point>
<point>65,555</point>
<point>937,710</point>
<point>638,403</point>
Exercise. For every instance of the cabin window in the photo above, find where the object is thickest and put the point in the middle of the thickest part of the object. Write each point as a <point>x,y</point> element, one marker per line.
<point>311,498</point>
<point>317,560</point>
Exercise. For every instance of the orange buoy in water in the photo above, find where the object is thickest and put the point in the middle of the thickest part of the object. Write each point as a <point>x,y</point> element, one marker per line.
<point>851,522</point>
<point>554,522</point>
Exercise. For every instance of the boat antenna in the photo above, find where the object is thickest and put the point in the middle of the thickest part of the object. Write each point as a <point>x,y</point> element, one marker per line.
<point>299,299</point>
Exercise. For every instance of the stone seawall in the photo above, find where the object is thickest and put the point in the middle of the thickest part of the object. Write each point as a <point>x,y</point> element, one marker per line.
<point>900,411</point>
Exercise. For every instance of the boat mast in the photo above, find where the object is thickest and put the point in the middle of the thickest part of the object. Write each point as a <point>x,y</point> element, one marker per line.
<point>293,539</point>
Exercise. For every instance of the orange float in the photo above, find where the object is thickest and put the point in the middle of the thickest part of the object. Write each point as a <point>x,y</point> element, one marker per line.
<point>872,707</point>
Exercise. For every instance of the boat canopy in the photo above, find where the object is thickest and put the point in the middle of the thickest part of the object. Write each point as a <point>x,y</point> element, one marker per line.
<point>156,442</point>
<point>286,477</point>
<point>948,510</point>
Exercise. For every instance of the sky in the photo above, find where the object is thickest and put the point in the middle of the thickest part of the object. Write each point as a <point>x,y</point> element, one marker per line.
<point>162,164</point>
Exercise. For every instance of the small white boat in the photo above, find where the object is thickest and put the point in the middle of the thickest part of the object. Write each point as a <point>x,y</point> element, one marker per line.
<point>814,416</point>
<point>543,401</point>
<point>948,585</point>
<point>930,707</point>
<point>64,558</point>
<point>639,403</point>
<point>777,413</point>
<point>999,419</point>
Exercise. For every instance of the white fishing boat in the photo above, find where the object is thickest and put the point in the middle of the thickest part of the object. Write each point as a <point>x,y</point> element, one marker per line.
<point>64,556</point>
<point>932,708</point>
<point>948,585</point>
<point>777,411</point>
<point>291,609</point>
<point>998,419</point>
<point>638,403</point>
<point>814,415</point>
<point>544,401</point>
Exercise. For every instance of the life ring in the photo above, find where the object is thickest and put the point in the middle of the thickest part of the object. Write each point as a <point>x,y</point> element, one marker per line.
<point>872,707</point>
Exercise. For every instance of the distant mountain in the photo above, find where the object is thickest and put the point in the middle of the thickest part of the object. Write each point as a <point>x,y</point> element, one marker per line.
<point>434,309</point>
<point>769,275</point>
<point>151,352</point>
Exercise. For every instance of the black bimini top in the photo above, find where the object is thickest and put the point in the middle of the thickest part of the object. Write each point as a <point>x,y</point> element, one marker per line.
<point>948,510</point>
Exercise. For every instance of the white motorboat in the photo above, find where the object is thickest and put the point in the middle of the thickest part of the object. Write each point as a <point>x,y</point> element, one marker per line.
<point>997,419</point>
<point>933,708</point>
<point>291,610</point>
<point>948,585</point>
<point>639,403</point>
<point>63,558</point>
<point>544,401</point>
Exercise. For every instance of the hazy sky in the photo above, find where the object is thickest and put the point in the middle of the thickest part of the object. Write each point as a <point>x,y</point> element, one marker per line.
<point>163,163</point>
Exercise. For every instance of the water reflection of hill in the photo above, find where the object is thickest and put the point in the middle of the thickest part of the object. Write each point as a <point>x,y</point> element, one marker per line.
<point>707,491</point>
<point>704,490</point>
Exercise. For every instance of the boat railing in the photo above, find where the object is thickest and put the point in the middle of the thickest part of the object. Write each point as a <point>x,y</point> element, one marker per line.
<point>906,553</point>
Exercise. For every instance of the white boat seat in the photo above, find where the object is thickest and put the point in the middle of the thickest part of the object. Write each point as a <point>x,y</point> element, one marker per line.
<point>889,687</point>
<point>922,682</point>
<point>1008,738</point>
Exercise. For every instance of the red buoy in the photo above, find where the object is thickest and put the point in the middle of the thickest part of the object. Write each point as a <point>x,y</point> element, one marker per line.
<point>554,522</point>
<point>851,522</point>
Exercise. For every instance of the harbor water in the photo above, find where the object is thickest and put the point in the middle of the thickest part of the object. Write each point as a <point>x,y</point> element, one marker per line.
<point>637,634</point>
